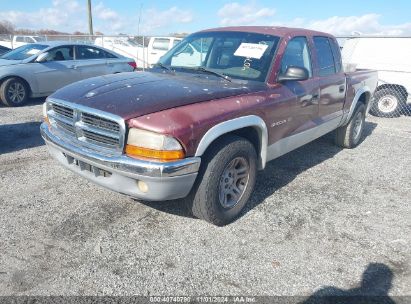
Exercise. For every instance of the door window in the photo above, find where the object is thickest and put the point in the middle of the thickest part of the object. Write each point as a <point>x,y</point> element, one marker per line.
<point>60,54</point>
<point>297,54</point>
<point>89,52</point>
<point>325,56</point>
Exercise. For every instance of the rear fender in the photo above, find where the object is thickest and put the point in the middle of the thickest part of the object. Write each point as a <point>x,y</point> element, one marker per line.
<point>364,90</point>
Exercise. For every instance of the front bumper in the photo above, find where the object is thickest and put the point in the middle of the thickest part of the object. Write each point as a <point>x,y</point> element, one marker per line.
<point>164,180</point>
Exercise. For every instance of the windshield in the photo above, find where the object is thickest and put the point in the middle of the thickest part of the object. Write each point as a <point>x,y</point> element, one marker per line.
<point>239,55</point>
<point>24,51</point>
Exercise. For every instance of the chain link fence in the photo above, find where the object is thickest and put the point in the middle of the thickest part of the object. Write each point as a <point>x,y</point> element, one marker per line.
<point>390,57</point>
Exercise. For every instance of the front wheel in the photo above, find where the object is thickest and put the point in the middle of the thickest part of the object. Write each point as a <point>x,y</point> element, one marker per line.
<point>14,92</point>
<point>225,181</point>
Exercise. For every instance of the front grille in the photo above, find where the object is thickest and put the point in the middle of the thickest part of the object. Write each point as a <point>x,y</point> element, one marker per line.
<point>95,130</point>
<point>100,122</point>
<point>63,111</point>
<point>100,138</point>
<point>66,127</point>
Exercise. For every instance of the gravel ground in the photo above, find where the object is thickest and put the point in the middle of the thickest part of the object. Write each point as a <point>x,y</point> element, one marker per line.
<point>319,216</point>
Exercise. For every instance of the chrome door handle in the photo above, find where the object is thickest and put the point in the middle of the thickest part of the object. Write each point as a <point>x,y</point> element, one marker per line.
<point>341,88</point>
<point>74,67</point>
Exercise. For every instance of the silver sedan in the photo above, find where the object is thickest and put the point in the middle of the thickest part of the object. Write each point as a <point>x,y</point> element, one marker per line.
<point>39,69</point>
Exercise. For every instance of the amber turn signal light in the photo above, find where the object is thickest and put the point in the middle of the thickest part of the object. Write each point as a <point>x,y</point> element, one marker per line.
<point>160,155</point>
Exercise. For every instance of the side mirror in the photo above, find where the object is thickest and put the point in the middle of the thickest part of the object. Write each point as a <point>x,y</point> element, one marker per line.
<point>294,74</point>
<point>42,57</point>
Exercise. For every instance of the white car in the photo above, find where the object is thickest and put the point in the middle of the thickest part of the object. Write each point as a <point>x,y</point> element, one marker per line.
<point>19,40</point>
<point>390,57</point>
<point>36,70</point>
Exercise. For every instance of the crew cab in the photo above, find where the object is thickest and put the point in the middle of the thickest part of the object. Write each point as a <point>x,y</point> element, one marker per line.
<point>199,131</point>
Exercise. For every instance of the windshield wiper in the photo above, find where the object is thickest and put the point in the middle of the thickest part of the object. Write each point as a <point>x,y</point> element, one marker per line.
<point>159,64</point>
<point>203,69</point>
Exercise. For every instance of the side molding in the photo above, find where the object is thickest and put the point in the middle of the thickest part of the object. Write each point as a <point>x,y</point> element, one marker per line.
<point>235,124</point>
<point>346,117</point>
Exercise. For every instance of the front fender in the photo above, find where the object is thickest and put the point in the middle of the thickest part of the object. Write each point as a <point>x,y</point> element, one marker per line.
<point>25,76</point>
<point>235,124</point>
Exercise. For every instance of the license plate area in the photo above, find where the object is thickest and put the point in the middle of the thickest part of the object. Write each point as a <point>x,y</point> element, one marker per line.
<point>83,166</point>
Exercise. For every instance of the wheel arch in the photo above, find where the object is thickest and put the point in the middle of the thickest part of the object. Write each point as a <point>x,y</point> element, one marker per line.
<point>251,127</point>
<point>364,96</point>
<point>398,87</point>
<point>3,79</point>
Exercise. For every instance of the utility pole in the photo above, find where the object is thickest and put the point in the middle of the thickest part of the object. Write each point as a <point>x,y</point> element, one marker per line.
<point>90,18</point>
<point>139,20</point>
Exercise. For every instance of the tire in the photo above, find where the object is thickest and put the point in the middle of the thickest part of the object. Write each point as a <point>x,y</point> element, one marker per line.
<point>211,198</point>
<point>14,92</point>
<point>388,103</point>
<point>349,136</point>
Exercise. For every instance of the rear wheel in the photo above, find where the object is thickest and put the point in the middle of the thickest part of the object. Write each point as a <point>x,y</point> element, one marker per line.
<point>225,182</point>
<point>388,103</point>
<point>14,92</point>
<point>349,136</point>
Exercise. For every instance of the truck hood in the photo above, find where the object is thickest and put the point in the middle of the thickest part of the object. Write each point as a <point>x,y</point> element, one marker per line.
<point>5,62</point>
<point>134,94</point>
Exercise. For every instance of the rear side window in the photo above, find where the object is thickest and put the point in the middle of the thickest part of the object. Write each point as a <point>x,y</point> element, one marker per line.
<point>325,56</point>
<point>337,55</point>
<point>297,54</point>
<point>89,52</point>
<point>161,44</point>
<point>109,55</point>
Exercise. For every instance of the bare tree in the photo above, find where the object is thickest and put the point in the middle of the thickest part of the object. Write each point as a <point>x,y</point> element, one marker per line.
<point>6,27</point>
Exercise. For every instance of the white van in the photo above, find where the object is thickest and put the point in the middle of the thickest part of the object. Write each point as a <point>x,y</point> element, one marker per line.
<point>391,58</point>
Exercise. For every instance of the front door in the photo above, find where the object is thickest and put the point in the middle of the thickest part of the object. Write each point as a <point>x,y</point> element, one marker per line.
<point>295,103</point>
<point>57,71</point>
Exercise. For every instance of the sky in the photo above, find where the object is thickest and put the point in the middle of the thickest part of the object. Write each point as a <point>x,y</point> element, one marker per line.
<point>163,17</point>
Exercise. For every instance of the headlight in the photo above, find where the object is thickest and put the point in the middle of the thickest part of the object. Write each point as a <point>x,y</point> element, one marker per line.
<point>146,144</point>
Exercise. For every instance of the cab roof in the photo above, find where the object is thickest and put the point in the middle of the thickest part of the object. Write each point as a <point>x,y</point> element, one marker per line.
<point>270,30</point>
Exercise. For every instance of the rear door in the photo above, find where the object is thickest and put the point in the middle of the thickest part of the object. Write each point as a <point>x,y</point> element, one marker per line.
<point>58,70</point>
<point>331,76</point>
<point>91,61</point>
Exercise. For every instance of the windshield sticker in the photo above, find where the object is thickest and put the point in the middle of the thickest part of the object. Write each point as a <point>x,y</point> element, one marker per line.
<point>251,50</point>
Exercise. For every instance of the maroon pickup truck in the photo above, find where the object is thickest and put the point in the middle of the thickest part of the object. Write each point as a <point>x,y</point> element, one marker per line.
<point>214,110</point>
